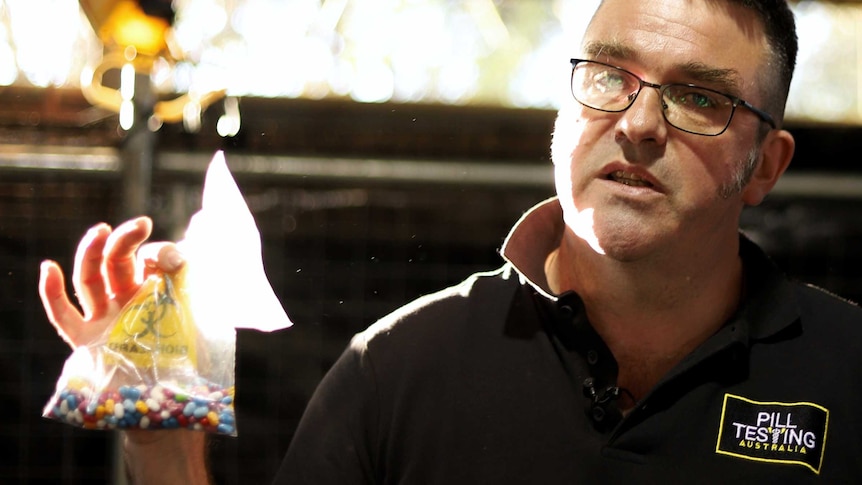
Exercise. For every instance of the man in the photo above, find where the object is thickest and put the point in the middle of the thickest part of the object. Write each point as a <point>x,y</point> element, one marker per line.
<point>633,334</point>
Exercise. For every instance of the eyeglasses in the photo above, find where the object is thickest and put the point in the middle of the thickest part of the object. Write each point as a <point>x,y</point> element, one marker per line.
<point>687,107</point>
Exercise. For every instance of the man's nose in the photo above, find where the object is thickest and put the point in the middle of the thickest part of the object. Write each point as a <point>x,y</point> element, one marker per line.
<point>644,120</point>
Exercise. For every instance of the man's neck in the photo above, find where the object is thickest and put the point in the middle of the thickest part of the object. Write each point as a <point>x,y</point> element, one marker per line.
<point>650,313</point>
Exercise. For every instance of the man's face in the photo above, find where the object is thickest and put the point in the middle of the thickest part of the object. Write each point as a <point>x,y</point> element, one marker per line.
<point>630,184</point>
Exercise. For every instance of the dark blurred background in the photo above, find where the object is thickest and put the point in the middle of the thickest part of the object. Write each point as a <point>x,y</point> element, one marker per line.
<point>362,207</point>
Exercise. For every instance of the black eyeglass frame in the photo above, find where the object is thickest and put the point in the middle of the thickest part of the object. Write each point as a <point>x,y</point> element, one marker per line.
<point>735,101</point>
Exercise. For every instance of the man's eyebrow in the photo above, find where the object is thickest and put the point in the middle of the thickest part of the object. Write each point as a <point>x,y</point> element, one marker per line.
<point>613,48</point>
<point>726,80</point>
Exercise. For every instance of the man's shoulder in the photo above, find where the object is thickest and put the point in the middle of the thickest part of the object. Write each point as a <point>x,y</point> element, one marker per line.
<point>828,321</point>
<point>824,311</point>
<point>478,303</point>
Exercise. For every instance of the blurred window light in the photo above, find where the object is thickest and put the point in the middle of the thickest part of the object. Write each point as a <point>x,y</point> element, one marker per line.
<point>827,85</point>
<point>49,39</point>
<point>495,52</point>
<point>8,66</point>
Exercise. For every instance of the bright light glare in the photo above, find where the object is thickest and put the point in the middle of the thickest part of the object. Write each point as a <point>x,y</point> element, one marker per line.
<point>127,91</point>
<point>45,39</point>
<point>478,51</point>
<point>8,67</point>
<point>127,82</point>
<point>229,123</point>
<point>127,115</point>
<point>198,22</point>
<point>814,93</point>
<point>374,82</point>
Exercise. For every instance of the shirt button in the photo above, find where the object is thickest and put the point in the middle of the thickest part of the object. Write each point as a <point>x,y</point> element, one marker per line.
<point>566,311</point>
<point>598,414</point>
<point>592,357</point>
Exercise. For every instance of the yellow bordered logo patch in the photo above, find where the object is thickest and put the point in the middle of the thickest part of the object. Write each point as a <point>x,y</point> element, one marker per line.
<point>774,432</point>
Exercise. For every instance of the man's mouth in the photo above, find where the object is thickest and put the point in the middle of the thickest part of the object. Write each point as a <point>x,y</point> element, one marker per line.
<point>627,178</point>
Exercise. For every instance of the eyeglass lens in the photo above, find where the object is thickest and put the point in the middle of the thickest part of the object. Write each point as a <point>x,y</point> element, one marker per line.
<point>693,109</point>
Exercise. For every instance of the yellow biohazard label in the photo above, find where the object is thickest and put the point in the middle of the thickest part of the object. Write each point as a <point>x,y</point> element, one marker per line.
<point>156,329</point>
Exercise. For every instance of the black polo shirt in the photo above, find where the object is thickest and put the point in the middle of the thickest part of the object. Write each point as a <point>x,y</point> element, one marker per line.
<point>498,381</point>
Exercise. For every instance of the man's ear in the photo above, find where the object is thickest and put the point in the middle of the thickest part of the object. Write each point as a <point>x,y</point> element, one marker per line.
<point>775,154</point>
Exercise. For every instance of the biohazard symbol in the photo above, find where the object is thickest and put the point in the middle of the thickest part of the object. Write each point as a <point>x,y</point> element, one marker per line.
<point>153,311</point>
<point>776,433</point>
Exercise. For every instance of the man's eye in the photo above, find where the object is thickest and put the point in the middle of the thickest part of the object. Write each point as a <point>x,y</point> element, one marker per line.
<point>701,101</point>
<point>693,99</point>
<point>609,81</point>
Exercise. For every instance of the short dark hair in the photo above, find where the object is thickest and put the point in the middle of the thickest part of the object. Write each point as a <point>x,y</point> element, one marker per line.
<point>779,26</point>
<point>780,29</point>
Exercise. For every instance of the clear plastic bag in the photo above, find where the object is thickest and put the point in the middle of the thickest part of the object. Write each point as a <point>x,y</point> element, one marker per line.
<point>152,369</point>
<point>167,361</point>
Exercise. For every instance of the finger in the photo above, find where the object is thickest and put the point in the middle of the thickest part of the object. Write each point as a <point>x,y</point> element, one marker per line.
<point>118,263</point>
<point>162,257</point>
<point>87,276</point>
<point>60,311</point>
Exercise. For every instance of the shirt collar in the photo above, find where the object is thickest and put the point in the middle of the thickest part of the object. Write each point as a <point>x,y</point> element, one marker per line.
<point>535,236</point>
<point>769,305</point>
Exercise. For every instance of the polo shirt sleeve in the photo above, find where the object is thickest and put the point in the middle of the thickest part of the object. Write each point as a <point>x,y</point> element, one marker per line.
<point>335,440</point>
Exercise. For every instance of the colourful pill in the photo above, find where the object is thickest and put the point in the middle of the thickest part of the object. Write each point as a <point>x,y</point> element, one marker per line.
<point>203,406</point>
<point>226,417</point>
<point>200,412</point>
<point>153,404</point>
<point>132,393</point>
<point>189,409</point>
